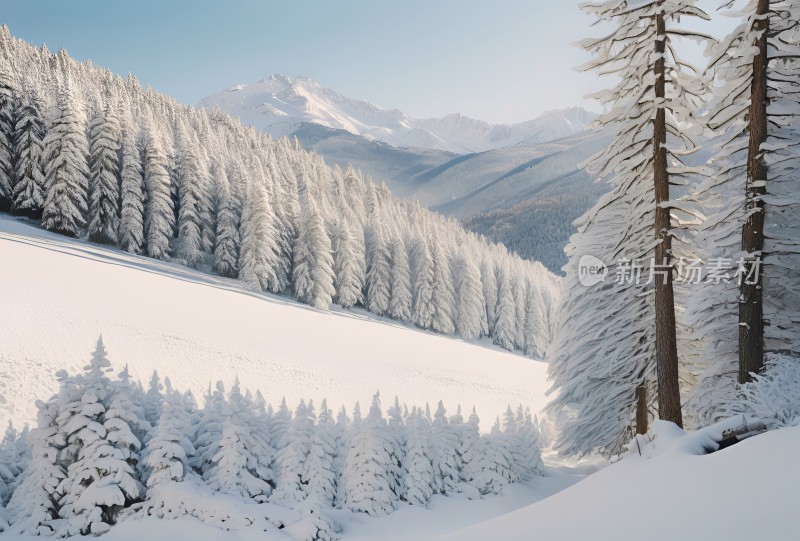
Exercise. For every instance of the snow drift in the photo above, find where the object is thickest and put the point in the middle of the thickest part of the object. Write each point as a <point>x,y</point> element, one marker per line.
<point>674,490</point>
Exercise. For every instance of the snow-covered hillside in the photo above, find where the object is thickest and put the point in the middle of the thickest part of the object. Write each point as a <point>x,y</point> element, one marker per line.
<point>279,105</point>
<point>59,294</point>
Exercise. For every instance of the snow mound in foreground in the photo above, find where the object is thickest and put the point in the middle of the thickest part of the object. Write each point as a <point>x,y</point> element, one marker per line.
<point>673,490</point>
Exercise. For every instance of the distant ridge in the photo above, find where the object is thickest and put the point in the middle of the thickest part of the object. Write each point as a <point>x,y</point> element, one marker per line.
<point>279,105</point>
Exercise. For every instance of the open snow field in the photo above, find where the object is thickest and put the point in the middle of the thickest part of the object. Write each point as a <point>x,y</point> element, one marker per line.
<point>58,294</point>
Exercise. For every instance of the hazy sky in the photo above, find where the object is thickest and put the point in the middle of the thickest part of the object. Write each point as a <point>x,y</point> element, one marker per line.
<point>496,60</point>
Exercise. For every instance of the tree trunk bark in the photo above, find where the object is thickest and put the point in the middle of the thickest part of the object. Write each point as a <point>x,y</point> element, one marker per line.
<point>751,310</point>
<point>641,409</point>
<point>669,399</point>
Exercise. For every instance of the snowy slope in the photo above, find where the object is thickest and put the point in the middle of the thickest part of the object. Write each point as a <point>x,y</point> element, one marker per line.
<point>504,177</point>
<point>280,104</point>
<point>59,294</point>
<point>674,491</point>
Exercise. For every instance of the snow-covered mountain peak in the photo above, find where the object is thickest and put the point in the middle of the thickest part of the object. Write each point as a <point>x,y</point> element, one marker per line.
<point>279,104</point>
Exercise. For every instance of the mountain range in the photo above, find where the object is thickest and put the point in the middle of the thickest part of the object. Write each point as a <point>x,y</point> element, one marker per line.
<point>279,105</point>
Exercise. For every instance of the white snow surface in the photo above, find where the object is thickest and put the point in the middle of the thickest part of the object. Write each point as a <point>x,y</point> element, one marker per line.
<point>279,104</point>
<point>674,490</point>
<point>58,294</point>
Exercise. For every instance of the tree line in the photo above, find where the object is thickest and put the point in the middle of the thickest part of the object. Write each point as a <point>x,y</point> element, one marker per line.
<point>105,449</point>
<point>94,155</point>
<point>674,348</point>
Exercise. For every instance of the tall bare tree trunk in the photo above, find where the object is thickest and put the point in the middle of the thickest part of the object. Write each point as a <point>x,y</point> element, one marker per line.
<point>669,397</point>
<point>751,310</point>
<point>641,409</point>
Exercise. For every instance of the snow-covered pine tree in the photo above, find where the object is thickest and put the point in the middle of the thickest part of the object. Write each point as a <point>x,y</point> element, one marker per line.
<point>209,428</point>
<point>8,97</point>
<point>354,186</point>
<point>206,205</point>
<point>650,109</point>
<point>279,428</point>
<point>399,439</point>
<point>368,480</point>
<point>378,279</point>
<point>519,289</point>
<point>101,479</point>
<point>419,480</point>
<point>241,461</point>
<point>349,265</point>
<point>781,266</point>
<point>29,134</point>
<point>489,281</point>
<point>23,447</point>
<point>132,193</point>
<point>505,323</point>
<point>749,198</point>
<point>444,454</point>
<point>457,427</point>
<point>345,432</point>
<point>292,480</point>
<point>595,408</point>
<point>286,208</point>
<point>104,197</point>
<point>34,504</point>
<point>66,169</point>
<point>536,332</point>
<point>528,434</point>
<point>443,297</point>
<point>514,439</point>
<point>154,399</point>
<point>189,244</point>
<point>320,468</point>
<point>174,185</point>
<point>498,464</point>
<point>473,454</point>
<point>229,212</point>
<point>423,309</point>
<point>159,215</point>
<point>469,298</point>
<point>312,270</point>
<point>258,261</point>
<point>169,448</point>
<point>400,297</point>
<point>10,464</point>
<point>125,419</point>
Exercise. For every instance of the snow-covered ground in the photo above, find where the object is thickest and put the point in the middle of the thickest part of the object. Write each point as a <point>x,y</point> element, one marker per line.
<point>674,490</point>
<point>58,294</point>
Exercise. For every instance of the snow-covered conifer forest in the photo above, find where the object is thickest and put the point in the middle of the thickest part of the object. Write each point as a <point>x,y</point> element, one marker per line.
<point>107,448</point>
<point>659,378</point>
<point>94,155</point>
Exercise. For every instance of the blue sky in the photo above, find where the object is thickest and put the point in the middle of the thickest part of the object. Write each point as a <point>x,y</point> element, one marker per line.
<point>497,60</point>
